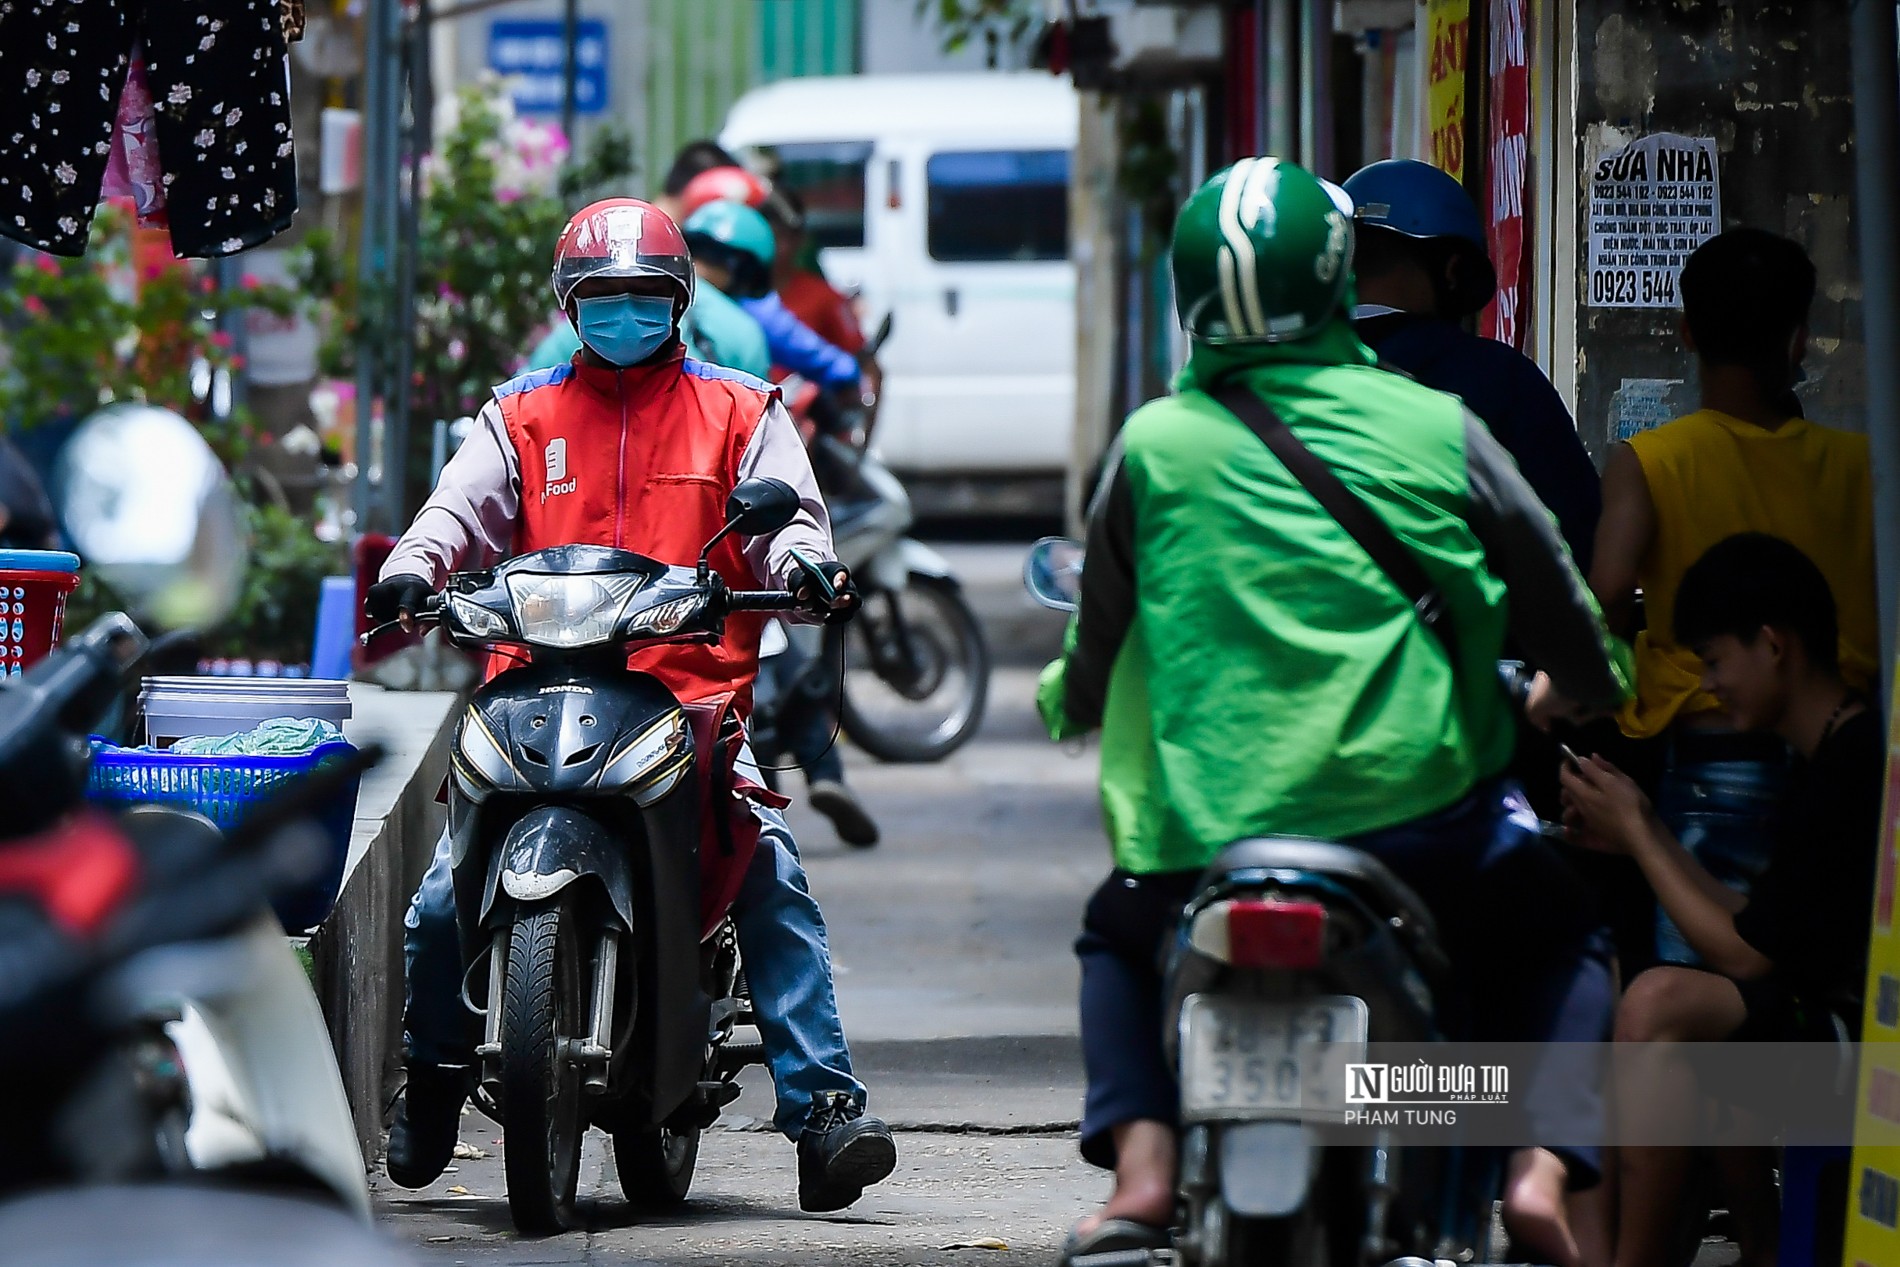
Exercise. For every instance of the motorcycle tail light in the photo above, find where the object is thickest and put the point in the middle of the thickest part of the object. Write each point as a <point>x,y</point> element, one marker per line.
<point>1261,933</point>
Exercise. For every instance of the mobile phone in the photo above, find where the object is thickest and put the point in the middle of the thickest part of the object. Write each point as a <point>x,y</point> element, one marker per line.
<point>822,583</point>
<point>1570,755</point>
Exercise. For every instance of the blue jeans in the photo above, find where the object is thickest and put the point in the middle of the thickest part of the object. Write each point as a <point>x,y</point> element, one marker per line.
<point>1723,813</point>
<point>806,729</point>
<point>781,939</point>
<point>1524,945</point>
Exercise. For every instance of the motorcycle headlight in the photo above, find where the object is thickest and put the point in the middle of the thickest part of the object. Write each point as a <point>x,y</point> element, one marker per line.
<point>570,611</point>
<point>478,620</point>
<point>667,617</point>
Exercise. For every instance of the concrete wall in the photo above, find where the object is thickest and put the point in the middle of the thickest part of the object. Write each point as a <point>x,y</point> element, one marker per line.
<point>358,950</point>
<point>1771,83</point>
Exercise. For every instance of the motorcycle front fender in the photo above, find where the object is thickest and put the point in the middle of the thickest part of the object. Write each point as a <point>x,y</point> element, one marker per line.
<point>550,847</point>
<point>893,566</point>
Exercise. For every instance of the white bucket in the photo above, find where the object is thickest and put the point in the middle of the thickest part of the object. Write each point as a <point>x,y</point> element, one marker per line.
<point>176,707</point>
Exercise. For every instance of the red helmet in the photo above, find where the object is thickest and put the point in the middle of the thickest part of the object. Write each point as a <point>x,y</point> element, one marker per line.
<point>723,184</point>
<point>621,237</point>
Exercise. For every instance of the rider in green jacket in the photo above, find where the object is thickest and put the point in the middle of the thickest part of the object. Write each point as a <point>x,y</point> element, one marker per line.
<point>1255,673</point>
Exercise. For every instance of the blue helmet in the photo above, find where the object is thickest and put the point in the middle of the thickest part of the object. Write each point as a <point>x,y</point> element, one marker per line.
<point>1415,199</point>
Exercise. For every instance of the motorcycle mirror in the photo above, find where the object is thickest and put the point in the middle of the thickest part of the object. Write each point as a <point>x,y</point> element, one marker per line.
<point>151,511</point>
<point>754,508</point>
<point>759,506</point>
<point>1053,572</point>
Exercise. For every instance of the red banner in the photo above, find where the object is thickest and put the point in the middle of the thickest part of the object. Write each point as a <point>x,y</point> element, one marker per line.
<point>1507,163</point>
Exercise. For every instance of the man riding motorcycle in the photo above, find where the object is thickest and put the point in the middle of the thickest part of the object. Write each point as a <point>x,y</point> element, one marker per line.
<point>634,445</point>
<point>734,249</point>
<point>1423,268</point>
<point>733,227</point>
<point>1256,673</point>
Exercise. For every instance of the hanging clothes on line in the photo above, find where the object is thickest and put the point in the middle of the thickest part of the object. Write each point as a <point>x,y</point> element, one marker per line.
<point>132,167</point>
<point>221,117</point>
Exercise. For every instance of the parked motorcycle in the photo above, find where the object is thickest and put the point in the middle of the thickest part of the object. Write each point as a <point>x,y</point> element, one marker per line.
<point>1292,956</point>
<point>595,862</point>
<point>161,1029</point>
<point>918,666</point>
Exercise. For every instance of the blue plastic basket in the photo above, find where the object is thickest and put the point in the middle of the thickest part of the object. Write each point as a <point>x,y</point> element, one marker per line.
<point>223,789</point>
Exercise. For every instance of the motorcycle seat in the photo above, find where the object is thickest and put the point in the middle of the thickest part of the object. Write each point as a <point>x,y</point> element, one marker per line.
<point>1387,895</point>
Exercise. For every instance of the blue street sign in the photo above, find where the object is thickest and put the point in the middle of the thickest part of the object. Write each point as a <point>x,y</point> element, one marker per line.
<point>532,55</point>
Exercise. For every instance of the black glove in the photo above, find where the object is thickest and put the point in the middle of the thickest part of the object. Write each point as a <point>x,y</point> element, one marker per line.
<point>391,598</point>
<point>838,577</point>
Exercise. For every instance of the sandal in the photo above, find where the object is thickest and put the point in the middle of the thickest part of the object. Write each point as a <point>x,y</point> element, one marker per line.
<point>1116,1243</point>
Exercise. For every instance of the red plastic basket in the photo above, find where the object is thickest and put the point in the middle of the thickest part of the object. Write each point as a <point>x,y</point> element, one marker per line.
<point>32,609</point>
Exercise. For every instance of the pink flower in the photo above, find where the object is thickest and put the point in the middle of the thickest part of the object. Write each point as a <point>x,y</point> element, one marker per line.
<point>45,264</point>
<point>250,281</point>
<point>151,272</point>
<point>208,284</point>
<point>237,362</point>
<point>507,195</point>
<point>221,340</point>
<point>34,305</point>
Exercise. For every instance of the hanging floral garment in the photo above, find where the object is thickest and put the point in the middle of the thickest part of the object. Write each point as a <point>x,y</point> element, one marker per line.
<point>221,117</point>
<point>132,167</point>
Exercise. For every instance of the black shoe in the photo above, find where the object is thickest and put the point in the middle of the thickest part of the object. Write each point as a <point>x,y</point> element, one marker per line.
<point>842,1151</point>
<point>428,1120</point>
<point>848,816</point>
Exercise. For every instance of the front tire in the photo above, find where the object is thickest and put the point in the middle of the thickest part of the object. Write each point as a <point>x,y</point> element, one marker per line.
<point>543,1002</point>
<point>925,709</point>
<point>656,1167</point>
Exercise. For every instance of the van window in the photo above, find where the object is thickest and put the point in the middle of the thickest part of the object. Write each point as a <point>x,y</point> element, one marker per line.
<point>829,178</point>
<point>999,205</point>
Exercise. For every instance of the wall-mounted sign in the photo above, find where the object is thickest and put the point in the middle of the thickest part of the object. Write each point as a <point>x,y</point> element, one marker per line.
<point>532,56</point>
<point>1447,44</point>
<point>1653,201</point>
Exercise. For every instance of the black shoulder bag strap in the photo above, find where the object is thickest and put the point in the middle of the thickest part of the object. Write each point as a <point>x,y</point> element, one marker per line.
<point>1400,566</point>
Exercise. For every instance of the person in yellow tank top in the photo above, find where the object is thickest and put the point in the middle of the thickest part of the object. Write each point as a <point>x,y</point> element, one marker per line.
<point>1747,461</point>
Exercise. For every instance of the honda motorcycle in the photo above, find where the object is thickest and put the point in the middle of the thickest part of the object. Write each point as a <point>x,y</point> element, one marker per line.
<point>595,860</point>
<point>179,1097</point>
<point>1292,955</point>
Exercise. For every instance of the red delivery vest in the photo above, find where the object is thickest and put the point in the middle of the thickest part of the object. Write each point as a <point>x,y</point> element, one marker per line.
<point>642,459</point>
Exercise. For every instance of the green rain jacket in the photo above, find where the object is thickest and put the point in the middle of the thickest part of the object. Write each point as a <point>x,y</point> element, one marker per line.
<point>1253,672</point>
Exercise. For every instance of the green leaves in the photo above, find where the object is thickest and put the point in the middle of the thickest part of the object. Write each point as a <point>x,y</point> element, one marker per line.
<point>960,21</point>
<point>84,332</point>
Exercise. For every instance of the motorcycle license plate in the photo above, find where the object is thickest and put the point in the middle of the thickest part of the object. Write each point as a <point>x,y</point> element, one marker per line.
<point>1250,1058</point>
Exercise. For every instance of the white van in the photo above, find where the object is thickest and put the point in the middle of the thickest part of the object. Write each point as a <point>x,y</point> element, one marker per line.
<point>943,200</point>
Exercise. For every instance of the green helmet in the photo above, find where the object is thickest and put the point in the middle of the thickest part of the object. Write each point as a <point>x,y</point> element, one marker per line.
<point>732,225</point>
<point>1262,254</point>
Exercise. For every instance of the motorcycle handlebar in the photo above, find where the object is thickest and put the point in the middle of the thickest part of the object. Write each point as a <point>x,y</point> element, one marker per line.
<point>431,613</point>
<point>763,601</point>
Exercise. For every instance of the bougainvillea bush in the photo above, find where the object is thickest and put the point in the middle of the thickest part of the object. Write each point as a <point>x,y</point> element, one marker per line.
<point>81,333</point>
<point>496,193</point>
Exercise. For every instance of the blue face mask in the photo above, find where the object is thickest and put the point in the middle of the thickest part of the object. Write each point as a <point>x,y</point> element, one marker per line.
<point>625,329</point>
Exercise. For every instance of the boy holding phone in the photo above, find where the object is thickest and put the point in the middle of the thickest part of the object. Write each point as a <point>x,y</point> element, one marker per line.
<point>1788,961</point>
